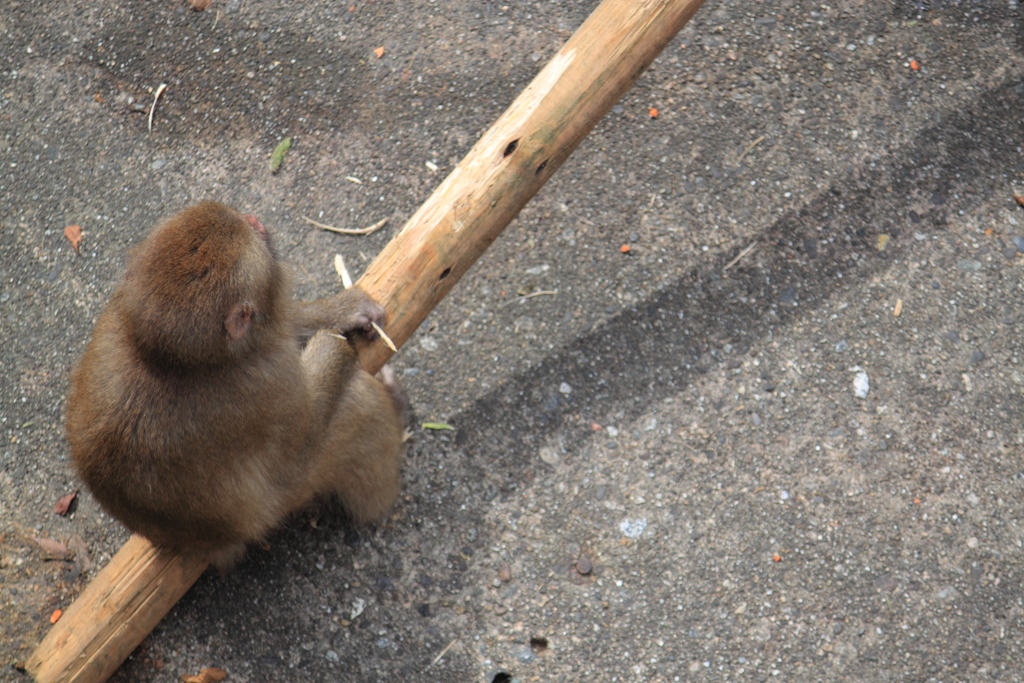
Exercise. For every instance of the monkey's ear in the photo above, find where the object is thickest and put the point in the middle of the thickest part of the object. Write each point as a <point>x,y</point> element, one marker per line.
<point>239,321</point>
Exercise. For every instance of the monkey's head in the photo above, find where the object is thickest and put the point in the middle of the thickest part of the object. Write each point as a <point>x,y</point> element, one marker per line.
<point>203,288</point>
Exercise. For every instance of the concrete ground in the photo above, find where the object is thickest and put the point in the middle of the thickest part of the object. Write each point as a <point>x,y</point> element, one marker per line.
<point>662,472</point>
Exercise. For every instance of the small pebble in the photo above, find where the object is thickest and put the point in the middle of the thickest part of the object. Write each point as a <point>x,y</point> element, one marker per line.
<point>756,419</point>
<point>953,336</point>
<point>158,164</point>
<point>332,657</point>
<point>618,109</point>
<point>788,296</point>
<point>411,372</point>
<point>612,431</point>
<point>920,236</point>
<point>935,284</point>
<point>842,345</point>
<point>428,344</point>
<point>861,385</point>
<point>977,356</point>
<point>584,566</point>
<point>633,528</point>
<point>969,265</point>
<point>565,388</point>
<point>550,456</point>
<point>784,494</point>
<point>505,574</point>
<point>1018,242</point>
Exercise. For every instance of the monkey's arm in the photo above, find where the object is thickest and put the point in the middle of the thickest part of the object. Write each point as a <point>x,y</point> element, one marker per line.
<point>328,362</point>
<point>349,310</point>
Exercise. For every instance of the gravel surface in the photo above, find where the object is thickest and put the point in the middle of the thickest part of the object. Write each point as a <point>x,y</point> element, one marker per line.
<point>780,435</point>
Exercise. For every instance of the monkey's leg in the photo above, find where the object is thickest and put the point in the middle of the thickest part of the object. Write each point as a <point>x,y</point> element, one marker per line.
<point>361,456</point>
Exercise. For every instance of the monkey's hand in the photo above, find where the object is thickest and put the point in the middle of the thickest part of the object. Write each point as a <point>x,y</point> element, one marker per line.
<point>349,311</point>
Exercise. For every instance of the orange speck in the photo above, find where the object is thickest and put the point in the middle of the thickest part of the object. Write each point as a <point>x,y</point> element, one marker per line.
<point>594,427</point>
<point>917,500</point>
<point>989,232</point>
<point>625,248</point>
<point>379,52</point>
<point>653,112</point>
<point>56,615</point>
<point>776,558</point>
<point>915,65</point>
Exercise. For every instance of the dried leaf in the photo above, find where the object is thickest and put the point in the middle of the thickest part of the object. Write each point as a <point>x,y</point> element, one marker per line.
<point>64,506</point>
<point>209,675</point>
<point>73,234</point>
<point>379,52</point>
<point>437,425</point>
<point>51,546</point>
<point>277,158</point>
<point>83,558</point>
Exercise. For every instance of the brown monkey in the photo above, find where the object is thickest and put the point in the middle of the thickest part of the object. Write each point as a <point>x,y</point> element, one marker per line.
<point>197,418</point>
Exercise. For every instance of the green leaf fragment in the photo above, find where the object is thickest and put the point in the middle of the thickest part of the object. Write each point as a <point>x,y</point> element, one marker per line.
<point>277,158</point>
<point>437,425</point>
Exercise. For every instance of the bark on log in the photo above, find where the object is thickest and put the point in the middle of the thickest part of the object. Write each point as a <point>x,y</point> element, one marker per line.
<point>463,216</point>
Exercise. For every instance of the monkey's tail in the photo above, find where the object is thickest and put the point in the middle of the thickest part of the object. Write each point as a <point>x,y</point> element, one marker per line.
<point>225,559</point>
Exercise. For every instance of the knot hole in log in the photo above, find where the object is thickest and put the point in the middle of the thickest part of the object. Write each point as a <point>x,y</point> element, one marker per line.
<point>541,167</point>
<point>446,273</point>
<point>511,147</point>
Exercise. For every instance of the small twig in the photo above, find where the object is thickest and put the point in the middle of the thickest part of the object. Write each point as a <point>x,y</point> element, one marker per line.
<point>443,653</point>
<point>152,109</point>
<point>303,269</point>
<point>346,280</point>
<point>751,146</point>
<point>339,267</point>
<point>739,256</point>
<point>348,231</point>
<point>530,296</point>
<point>385,338</point>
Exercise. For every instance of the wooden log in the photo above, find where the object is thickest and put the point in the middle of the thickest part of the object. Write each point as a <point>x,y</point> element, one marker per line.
<point>514,159</point>
<point>463,216</point>
<point>114,613</point>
